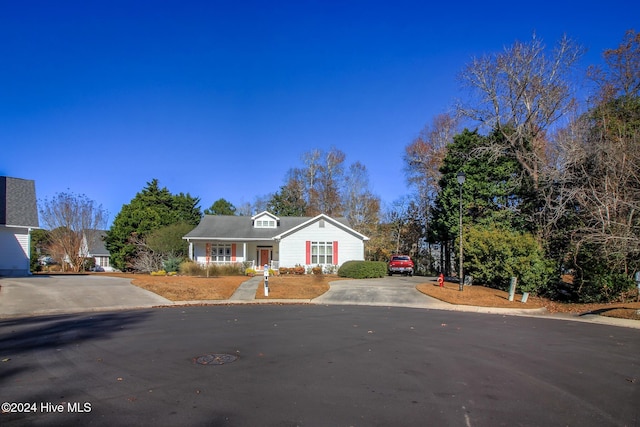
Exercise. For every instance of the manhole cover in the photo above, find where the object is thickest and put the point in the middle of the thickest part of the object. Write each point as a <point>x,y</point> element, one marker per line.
<point>216,359</point>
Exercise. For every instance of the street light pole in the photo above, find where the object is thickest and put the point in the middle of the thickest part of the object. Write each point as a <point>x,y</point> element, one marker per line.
<point>461,178</point>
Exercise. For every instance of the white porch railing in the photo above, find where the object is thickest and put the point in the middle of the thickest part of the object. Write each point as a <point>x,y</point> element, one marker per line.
<point>274,265</point>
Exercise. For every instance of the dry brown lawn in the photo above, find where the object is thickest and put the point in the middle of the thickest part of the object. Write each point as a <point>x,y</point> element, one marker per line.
<point>476,296</point>
<point>306,286</point>
<point>481,296</point>
<point>187,288</point>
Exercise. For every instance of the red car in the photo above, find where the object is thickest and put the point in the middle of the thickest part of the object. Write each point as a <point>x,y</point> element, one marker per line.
<point>400,264</point>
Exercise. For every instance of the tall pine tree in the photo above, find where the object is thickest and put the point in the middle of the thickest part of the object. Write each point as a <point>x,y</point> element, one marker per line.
<point>151,209</point>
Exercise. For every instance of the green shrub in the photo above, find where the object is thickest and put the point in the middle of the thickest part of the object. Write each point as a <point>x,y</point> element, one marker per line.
<point>605,287</point>
<point>172,265</point>
<point>598,278</point>
<point>88,263</point>
<point>363,269</point>
<point>493,255</point>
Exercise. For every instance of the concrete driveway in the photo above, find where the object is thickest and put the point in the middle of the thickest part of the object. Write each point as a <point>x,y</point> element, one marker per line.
<point>36,295</point>
<point>399,291</point>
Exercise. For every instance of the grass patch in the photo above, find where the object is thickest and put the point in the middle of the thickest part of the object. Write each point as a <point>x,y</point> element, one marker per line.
<point>481,296</point>
<point>306,286</point>
<point>186,288</point>
<point>478,296</point>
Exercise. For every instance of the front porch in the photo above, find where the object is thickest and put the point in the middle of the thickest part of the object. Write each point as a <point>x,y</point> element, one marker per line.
<point>252,254</point>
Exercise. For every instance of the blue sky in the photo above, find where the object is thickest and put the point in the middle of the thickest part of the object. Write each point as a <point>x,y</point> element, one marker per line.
<point>220,99</point>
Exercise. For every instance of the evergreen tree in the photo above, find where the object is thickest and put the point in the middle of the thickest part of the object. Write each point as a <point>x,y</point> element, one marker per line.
<point>288,201</point>
<point>491,193</point>
<point>221,207</point>
<point>151,209</point>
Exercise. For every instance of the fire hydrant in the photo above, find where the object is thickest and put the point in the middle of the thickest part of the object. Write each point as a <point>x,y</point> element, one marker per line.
<point>441,280</point>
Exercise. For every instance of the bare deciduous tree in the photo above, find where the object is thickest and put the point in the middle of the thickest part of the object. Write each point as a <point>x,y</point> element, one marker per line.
<point>361,207</point>
<point>310,176</point>
<point>71,218</point>
<point>601,155</point>
<point>147,260</point>
<point>331,182</point>
<point>319,182</point>
<point>522,92</point>
<point>423,159</point>
<point>424,156</point>
<point>621,75</point>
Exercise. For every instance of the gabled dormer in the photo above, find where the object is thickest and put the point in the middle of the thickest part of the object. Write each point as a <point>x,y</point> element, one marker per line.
<point>265,220</point>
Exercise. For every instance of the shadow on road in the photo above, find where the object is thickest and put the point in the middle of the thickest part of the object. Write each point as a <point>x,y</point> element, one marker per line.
<point>23,335</point>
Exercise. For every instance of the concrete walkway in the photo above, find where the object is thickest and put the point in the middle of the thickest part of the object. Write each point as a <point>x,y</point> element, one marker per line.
<point>247,290</point>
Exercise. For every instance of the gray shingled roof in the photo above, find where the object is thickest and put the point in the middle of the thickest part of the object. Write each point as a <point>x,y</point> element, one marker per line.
<point>18,205</point>
<point>241,227</point>
<point>95,242</point>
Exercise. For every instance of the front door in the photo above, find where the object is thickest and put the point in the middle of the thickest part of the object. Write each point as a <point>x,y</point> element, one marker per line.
<point>264,257</point>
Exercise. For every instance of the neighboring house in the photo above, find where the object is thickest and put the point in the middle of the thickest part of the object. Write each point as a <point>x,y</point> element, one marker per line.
<point>93,247</point>
<point>18,216</point>
<point>277,242</point>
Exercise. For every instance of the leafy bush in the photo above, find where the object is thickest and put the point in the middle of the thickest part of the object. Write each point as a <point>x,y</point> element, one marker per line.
<point>172,264</point>
<point>88,263</point>
<point>362,269</point>
<point>493,255</point>
<point>596,278</point>
<point>605,287</point>
<point>316,270</point>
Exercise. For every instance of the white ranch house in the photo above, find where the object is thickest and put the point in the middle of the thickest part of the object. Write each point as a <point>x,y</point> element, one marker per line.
<point>274,241</point>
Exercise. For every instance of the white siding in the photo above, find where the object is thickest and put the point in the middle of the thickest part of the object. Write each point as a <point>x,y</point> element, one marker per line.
<point>14,250</point>
<point>293,246</point>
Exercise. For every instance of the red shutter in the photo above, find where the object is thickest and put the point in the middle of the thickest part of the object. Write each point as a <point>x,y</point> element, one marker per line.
<point>233,252</point>
<point>308,253</point>
<point>335,252</point>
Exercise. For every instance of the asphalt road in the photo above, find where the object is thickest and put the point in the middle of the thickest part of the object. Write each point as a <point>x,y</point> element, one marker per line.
<point>317,365</point>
